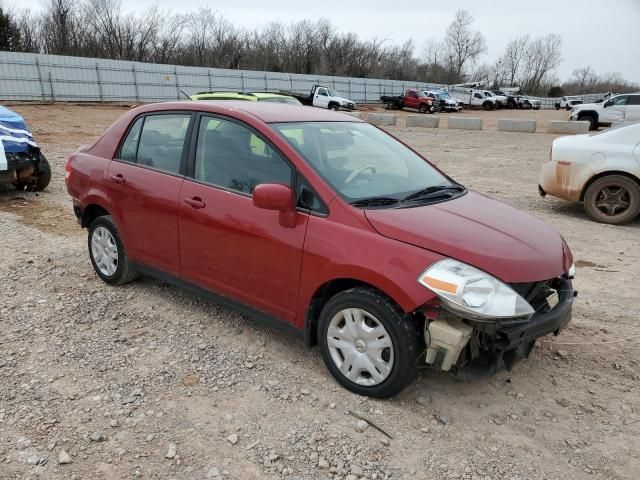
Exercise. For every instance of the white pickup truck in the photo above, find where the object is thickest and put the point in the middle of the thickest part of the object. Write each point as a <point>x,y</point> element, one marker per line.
<point>619,108</point>
<point>324,97</point>
<point>569,102</point>
<point>476,98</point>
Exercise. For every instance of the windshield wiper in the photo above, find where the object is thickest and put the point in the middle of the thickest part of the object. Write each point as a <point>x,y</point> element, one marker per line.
<point>374,202</point>
<point>433,191</point>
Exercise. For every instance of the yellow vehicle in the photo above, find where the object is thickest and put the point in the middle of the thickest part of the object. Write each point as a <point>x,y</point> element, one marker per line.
<point>250,96</point>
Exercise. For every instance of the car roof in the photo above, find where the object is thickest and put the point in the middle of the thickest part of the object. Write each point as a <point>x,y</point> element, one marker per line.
<point>268,112</point>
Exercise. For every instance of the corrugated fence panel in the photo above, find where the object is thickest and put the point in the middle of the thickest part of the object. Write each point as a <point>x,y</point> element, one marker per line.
<point>27,76</point>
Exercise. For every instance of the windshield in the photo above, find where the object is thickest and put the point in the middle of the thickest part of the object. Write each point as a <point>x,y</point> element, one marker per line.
<point>444,95</point>
<point>287,100</point>
<point>360,161</point>
<point>333,93</point>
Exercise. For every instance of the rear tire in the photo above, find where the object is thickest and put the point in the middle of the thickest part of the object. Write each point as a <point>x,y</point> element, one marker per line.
<point>360,330</point>
<point>614,199</point>
<point>422,108</point>
<point>107,253</point>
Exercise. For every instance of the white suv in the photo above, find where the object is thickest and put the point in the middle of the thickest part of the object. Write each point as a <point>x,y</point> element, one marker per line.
<point>619,108</point>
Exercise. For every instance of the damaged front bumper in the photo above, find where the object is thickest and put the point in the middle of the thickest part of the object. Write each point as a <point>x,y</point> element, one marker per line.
<point>482,348</point>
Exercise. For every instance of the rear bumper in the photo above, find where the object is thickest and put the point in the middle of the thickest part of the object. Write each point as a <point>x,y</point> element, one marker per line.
<point>563,179</point>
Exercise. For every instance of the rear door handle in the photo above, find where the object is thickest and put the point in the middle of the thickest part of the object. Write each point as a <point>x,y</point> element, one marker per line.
<point>117,177</point>
<point>195,202</point>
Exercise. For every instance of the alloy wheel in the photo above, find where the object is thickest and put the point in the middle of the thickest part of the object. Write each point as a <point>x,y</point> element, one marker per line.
<point>613,200</point>
<point>360,346</point>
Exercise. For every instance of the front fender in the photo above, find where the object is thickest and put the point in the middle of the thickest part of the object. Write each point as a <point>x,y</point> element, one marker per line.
<point>335,251</point>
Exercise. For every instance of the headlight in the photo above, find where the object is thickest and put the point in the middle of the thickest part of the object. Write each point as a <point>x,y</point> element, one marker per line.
<point>472,293</point>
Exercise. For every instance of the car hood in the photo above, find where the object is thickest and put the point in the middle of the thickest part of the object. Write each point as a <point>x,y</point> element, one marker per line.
<point>342,99</point>
<point>492,236</point>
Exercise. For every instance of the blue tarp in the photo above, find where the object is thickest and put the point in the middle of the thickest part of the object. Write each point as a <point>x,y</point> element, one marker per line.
<point>15,137</point>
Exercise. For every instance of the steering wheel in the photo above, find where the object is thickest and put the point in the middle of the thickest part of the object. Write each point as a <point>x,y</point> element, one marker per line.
<point>353,175</point>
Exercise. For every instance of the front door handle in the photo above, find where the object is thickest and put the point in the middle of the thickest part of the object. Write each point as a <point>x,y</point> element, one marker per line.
<point>195,202</point>
<point>118,178</point>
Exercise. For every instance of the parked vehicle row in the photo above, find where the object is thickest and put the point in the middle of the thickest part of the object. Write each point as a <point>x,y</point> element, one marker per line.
<point>329,226</point>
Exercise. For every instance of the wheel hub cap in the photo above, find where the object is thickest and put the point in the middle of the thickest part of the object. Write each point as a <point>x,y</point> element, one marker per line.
<point>360,347</point>
<point>104,251</point>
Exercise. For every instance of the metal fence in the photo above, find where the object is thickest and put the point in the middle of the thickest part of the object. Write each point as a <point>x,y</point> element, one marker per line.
<point>51,78</point>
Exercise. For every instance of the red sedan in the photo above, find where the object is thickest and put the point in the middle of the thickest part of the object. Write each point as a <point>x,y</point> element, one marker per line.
<point>325,225</point>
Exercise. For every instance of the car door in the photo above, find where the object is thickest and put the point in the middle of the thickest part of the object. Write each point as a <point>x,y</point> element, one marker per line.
<point>227,245</point>
<point>411,99</point>
<point>615,109</point>
<point>322,98</point>
<point>145,181</point>
<point>632,113</point>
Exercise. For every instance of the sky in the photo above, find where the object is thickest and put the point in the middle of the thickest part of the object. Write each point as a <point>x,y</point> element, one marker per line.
<point>603,35</point>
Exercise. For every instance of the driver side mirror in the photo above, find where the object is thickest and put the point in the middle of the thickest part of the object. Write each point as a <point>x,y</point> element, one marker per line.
<point>275,196</point>
<point>608,103</point>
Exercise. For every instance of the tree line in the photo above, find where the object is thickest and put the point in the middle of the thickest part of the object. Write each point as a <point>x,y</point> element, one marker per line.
<point>204,38</point>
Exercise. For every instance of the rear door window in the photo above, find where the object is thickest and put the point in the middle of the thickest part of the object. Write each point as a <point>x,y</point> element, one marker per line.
<point>633,100</point>
<point>162,141</point>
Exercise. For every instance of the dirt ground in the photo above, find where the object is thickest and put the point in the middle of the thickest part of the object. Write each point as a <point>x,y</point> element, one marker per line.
<point>149,381</point>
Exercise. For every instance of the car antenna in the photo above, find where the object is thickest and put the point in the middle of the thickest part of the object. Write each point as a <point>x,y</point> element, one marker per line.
<point>182,92</point>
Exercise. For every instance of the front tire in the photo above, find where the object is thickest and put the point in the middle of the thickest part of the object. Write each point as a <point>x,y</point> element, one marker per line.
<point>107,253</point>
<point>614,199</point>
<point>367,343</point>
<point>589,118</point>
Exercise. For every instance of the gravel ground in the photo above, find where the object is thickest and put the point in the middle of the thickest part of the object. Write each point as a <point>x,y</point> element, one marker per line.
<point>149,381</point>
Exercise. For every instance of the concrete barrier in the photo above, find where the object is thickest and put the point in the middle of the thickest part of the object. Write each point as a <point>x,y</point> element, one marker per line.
<point>384,119</point>
<point>512,125</point>
<point>464,123</point>
<point>426,121</point>
<point>355,114</point>
<point>561,126</point>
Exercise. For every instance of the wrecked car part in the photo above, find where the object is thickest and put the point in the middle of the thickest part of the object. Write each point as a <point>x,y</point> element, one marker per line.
<point>21,162</point>
<point>472,349</point>
<point>447,336</point>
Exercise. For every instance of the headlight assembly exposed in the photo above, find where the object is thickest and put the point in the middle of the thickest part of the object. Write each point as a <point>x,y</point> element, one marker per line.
<point>472,293</point>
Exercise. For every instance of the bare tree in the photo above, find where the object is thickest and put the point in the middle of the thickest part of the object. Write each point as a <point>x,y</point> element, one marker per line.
<point>543,57</point>
<point>512,59</point>
<point>463,45</point>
